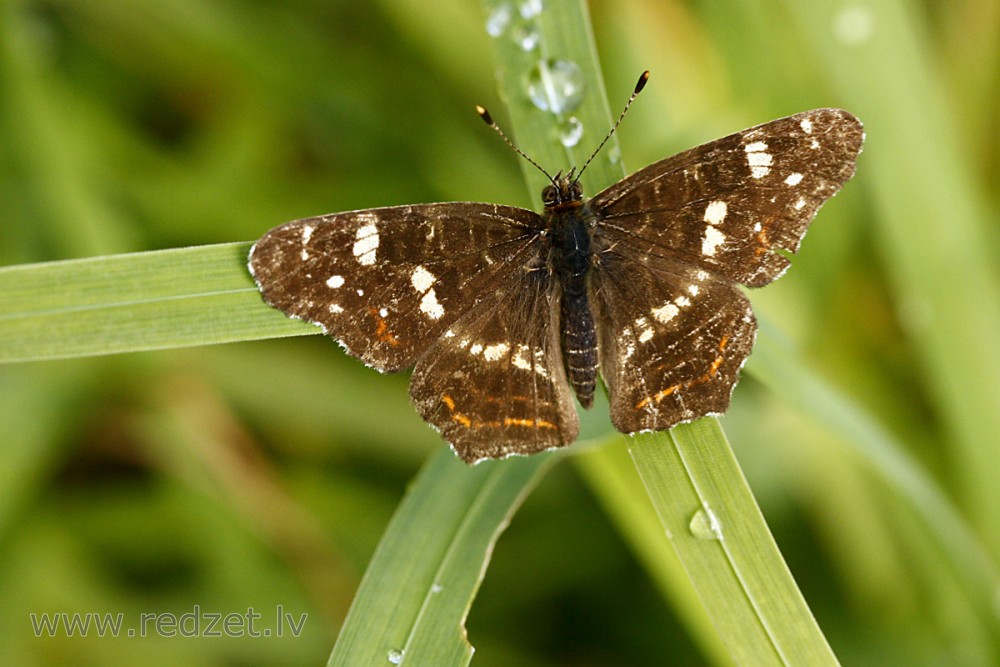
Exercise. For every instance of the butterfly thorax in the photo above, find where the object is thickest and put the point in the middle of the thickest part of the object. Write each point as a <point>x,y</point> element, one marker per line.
<point>569,227</point>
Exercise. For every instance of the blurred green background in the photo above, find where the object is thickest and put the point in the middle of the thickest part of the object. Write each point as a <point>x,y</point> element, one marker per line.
<point>262,474</point>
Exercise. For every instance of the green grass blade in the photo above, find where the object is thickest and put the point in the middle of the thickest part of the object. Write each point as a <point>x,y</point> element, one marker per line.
<point>710,515</point>
<point>133,302</point>
<point>419,586</point>
<point>742,579</point>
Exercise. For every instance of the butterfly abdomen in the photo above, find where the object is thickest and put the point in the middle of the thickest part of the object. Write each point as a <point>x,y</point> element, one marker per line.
<point>570,257</point>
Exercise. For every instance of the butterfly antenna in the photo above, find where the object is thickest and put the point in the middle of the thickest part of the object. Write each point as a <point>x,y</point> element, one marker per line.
<point>485,115</point>
<point>640,84</point>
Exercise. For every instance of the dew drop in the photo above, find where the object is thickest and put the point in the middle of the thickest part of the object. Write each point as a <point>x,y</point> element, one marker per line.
<point>395,656</point>
<point>614,154</point>
<point>556,86</point>
<point>498,19</point>
<point>529,9</point>
<point>705,525</point>
<point>570,131</point>
<point>436,588</point>
<point>527,37</point>
<point>854,25</point>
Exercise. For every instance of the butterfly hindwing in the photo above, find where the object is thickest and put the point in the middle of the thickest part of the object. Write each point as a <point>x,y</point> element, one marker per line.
<point>494,384</point>
<point>388,282</point>
<point>672,340</point>
<point>727,205</point>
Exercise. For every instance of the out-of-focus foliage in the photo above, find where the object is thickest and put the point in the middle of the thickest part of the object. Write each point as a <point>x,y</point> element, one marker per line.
<point>262,474</point>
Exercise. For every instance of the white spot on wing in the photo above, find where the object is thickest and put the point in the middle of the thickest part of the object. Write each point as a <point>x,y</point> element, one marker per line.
<point>647,334</point>
<point>335,308</point>
<point>715,212</point>
<point>682,301</point>
<point>307,232</point>
<point>365,244</point>
<point>800,204</point>
<point>713,239</point>
<point>383,312</point>
<point>693,290</point>
<point>806,125</point>
<point>758,159</point>
<point>495,352</point>
<point>476,349</point>
<point>793,179</point>
<point>422,279</point>
<point>430,306</point>
<point>523,357</point>
<point>665,313</point>
<point>334,282</point>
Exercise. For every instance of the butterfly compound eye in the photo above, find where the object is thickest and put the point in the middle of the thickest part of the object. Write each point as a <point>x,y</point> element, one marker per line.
<point>549,195</point>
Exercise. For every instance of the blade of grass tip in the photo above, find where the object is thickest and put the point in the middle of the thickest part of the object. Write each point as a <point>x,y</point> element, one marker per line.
<point>750,595</point>
<point>133,302</point>
<point>420,583</point>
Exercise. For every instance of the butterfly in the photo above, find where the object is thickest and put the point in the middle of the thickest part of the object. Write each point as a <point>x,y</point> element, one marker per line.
<point>506,313</point>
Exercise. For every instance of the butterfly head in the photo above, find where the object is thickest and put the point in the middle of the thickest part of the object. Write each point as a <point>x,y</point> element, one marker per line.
<point>565,192</point>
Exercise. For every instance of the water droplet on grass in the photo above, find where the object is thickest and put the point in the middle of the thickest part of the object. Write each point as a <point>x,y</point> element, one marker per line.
<point>527,37</point>
<point>570,131</point>
<point>498,19</point>
<point>556,86</point>
<point>530,8</point>
<point>705,525</point>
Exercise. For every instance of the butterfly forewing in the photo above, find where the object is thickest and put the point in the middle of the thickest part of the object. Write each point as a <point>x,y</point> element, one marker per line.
<point>494,383</point>
<point>674,239</point>
<point>388,282</point>
<point>727,205</point>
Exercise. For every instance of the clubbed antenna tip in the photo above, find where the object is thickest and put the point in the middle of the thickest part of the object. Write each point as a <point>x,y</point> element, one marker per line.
<point>485,115</point>
<point>641,83</point>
